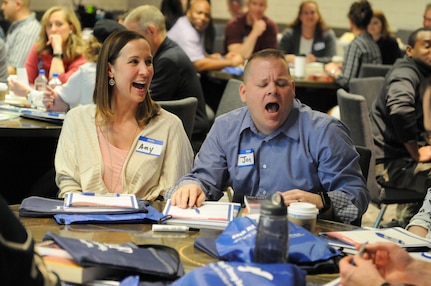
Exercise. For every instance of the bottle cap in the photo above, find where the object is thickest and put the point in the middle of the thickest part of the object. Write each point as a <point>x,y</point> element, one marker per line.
<point>41,71</point>
<point>274,205</point>
<point>55,74</point>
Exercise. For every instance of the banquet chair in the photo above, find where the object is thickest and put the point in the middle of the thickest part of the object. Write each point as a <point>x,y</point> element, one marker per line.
<point>185,109</point>
<point>371,70</point>
<point>230,99</point>
<point>354,113</point>
<point>369,88</point>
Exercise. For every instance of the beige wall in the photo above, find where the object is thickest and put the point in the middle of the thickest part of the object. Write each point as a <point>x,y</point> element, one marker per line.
<point>401,14</point>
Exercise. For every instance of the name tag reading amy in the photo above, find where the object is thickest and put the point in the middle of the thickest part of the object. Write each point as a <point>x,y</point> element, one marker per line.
<point>149,146</point>
<point>245,158</point>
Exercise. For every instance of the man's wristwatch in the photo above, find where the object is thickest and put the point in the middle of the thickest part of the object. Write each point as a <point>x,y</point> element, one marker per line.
<point>325,200</point>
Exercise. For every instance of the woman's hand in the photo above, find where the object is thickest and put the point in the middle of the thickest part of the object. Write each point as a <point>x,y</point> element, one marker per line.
<point>56,42</point>
<point>18,88</point>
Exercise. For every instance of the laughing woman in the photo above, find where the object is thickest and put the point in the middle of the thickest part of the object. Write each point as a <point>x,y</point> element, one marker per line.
<point>125,143</point>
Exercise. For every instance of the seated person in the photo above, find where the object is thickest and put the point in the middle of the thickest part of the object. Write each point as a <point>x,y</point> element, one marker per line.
<point>420,223</point>
<point>309,35</point>
<point>125,143</point>
<point>397,123</point>
<point>276,144</point>
<point>80,86</point>
<point>189,32</point>
<point>380,31</point>
<point>171,10</point>
<point>384,263</point>
<point>252,31</point>
<point>19,264</point>
<point>361,50</point>
<point>236,7</point>
<point>59,47</point>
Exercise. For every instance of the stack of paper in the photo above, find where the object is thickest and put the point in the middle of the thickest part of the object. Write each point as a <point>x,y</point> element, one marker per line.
<point>76,202</point>
<point>213,215</point>
<point>352,238</point>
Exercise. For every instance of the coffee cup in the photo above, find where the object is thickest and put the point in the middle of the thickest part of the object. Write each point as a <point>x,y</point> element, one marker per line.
<point>303,214</point>
<point>299,66</point>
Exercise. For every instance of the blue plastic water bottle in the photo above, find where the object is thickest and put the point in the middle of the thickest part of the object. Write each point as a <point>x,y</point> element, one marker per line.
<point>272,239</point>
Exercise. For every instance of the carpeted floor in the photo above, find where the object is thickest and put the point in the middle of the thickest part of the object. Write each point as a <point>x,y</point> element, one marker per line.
<point>370,216</point>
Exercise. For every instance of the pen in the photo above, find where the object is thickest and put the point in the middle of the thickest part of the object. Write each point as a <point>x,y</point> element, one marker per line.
<point>197,210</point>
<point>382,235</point>
<point>172,228</point>
<point>361,251</point>
<point>94,194</point>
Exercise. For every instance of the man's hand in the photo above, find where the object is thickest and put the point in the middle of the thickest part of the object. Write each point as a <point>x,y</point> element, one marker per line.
<point>235,58</point>
<point>188,196</point>
<point>424,154</point>
<point>259,26</point>
<point>292,196</point>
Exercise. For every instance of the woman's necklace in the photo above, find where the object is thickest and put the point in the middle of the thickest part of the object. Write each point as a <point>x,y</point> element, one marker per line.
<point>113,187</point>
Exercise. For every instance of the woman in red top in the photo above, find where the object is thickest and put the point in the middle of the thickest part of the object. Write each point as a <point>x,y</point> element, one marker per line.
<point>59,48</point>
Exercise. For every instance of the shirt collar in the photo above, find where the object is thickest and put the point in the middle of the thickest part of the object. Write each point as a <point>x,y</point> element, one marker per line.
<point>289,128</point>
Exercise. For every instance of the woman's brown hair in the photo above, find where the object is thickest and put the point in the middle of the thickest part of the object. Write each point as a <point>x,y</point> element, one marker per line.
<point>103,92</point>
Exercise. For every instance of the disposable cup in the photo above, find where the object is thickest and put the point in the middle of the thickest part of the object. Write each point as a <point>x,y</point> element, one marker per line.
<point>303,214</point>
<point>299,67</point>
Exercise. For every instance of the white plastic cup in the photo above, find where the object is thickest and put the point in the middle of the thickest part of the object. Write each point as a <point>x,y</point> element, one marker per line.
<point>299,67</point>
<point>303,214</point>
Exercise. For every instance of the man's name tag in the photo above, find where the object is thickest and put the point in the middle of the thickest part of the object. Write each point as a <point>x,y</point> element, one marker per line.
<point>245,158</point>
<point>149,146</point>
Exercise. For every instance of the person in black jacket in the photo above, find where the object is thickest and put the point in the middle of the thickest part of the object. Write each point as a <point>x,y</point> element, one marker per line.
<point>383,36</point>
<point>403,158</point>
<point>19,264</point>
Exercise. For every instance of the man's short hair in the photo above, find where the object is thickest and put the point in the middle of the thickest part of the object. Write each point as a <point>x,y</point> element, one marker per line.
<point>264,54</point>
<point>413,36</point>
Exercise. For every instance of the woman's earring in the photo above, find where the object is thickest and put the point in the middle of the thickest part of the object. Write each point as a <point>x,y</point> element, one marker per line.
<point>111,81</point>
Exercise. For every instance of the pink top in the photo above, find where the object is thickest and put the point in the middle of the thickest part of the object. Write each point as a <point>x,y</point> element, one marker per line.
<point>113,161</point>
<point>32,65</point>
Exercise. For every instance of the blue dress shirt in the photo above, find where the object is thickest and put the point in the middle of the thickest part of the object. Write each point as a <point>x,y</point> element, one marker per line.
<point>311,151</point>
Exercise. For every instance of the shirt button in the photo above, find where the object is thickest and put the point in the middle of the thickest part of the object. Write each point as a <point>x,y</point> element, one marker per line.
<point>264,166</point>
<point>264,192</point>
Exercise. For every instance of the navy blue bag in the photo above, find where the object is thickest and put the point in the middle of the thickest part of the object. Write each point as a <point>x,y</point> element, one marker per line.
<point>151,215</point>
<point>151,262</point>
<point>310,252</point>
<point>35,206</point>
<point>240,273</point>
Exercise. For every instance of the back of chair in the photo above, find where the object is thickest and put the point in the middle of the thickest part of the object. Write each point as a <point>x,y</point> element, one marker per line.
<point>369,87</point>
<point>354,113</point>
<point>372,70</point>
<point>230,99</point>
<point>185,109</point>
<point>364,159</point>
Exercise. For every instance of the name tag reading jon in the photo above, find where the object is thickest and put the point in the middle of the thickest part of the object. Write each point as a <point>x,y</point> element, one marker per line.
<point>149,146</point>
<point>245,158</point>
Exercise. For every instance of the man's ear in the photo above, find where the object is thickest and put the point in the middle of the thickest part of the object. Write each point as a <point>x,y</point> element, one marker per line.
<point>242,93</point>
<point>409,51</point>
